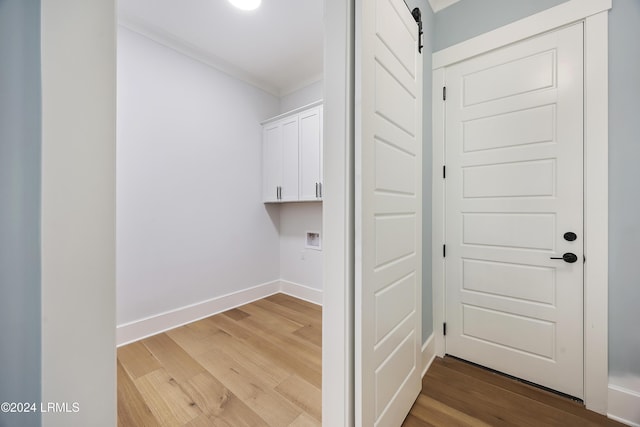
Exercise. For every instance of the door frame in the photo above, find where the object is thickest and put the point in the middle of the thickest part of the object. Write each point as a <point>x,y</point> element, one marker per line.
<point>594,15</point>
<point>338,214</point>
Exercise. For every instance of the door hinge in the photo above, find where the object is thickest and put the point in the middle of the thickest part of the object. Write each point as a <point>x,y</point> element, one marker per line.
<point>444,172</point>
<point>444,93</point>
<point>444,251</point>
<point>417,15</point>
<point>444,329</point>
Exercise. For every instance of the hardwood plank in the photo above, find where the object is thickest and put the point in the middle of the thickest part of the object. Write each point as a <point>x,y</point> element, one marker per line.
<point>132,409</point>
<point>304,395</point>
<point>256,364</point>
<point>305,317</point>
<point>262,399</point>
<point>280,334</point>
<point>289,356</point>
<point>436,413</point>
<point>166,400</point>
<point>137,360</point>
<point>235,314</point>
<point>311,333</point>
<point>218,404</point>
<point>413,421</point>
<point>295,303</point>
<point>200,421</point>
<point>177,362</point>
<point>523,389</point>
<point>224,370</point>
<point>455,392</point>
<point>305,420</point>
<point>195,338</point>
<point>229,326</point>
<point>492,404</point>
<point>286,340</point>
<point>269,320</point>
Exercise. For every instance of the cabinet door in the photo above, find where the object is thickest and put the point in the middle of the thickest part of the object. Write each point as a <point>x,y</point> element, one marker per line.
<point>311,154</point>
<point>289,184</point>
<point>272,161</point>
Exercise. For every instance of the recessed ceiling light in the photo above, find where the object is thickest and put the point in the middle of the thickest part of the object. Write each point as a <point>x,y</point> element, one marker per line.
<point>246,4</point>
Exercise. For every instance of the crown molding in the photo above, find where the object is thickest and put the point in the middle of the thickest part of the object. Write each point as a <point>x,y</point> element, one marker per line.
<point>301,85</point>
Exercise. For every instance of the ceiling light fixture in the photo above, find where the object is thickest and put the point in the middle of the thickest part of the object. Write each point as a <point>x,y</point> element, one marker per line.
<point>246,4</point>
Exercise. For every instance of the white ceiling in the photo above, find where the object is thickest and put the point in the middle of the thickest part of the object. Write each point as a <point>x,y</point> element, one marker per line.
<point>278,47</point>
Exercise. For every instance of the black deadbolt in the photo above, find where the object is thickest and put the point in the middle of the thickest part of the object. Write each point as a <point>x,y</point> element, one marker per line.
<point>570,236</point>
<point>568,257</point>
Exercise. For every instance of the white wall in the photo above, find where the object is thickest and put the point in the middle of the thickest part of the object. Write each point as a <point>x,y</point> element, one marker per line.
<point>191,225</point>
<point>298,264</point>
<point>301,97</point>
<point>78,217</point>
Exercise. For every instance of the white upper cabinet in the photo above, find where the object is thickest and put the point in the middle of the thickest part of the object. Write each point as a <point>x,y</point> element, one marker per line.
<point>292,156</point>
<point>290,135</point>
<point>310,148</point>
<point>272,161</point>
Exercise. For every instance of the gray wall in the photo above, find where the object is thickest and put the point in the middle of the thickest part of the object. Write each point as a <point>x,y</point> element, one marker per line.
<point>428,29</point>
<point>20,207</point>
<point>624,191</point>
<point>469,18</point>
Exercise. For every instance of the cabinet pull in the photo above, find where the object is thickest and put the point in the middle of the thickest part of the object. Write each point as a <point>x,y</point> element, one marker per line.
<point>320,186</point>
<point>316,190</point>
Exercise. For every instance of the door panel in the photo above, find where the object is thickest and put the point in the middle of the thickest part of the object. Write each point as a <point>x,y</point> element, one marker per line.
<point>514,154</point>
<point>529,126</point>
<point>497,81</point>
<point>509,230</point>
<point>388,191</point>
<point>523,282</point>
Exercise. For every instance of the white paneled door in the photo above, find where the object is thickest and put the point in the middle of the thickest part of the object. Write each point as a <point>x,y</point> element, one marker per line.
<point>514,210</point>
<point>388,219</point>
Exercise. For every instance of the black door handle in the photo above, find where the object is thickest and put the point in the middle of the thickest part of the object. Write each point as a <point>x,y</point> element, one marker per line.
<point>568,257</point>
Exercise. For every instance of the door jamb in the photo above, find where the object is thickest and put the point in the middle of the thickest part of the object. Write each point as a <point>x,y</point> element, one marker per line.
<point>594,14</point>
<point>338,216</point>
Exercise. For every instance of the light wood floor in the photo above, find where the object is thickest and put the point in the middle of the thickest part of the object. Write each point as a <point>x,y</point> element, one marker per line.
<point>257,365</point>
<point>260,365</point>
<point>456,393</point>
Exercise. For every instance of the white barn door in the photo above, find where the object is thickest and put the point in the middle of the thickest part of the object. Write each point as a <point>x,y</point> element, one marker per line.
<point>514,209</point>
<point>388,214</point>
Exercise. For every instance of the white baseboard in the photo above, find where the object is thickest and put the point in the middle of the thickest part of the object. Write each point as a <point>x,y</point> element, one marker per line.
<point>624,405</point>
<point>143,328</point>
<point>301,292</point>
<point>139,329</point>
<point>428,353</point>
